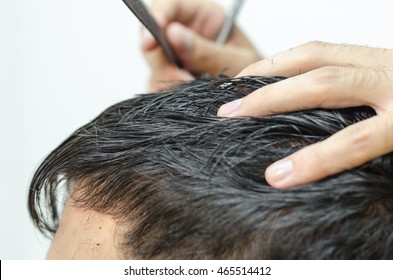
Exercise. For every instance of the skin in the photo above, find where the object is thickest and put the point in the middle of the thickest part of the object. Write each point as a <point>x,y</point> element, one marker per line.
<point>84,235</point>
<point>325,75</point>
<point>191,28</point>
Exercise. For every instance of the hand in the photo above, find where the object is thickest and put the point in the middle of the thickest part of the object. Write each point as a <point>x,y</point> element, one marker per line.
<point>325,75</point>
<point>192,27</point>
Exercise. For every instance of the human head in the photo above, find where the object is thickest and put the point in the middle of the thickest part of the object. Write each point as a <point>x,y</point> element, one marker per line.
<point>159,176</point>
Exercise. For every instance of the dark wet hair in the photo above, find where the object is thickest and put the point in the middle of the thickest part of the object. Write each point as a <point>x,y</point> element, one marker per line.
<point>191,185</point>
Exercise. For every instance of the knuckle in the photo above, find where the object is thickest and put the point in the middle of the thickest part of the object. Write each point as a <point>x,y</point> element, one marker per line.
<point>359,141</point>
<point>313,48</point>
<point>327,75</point>
<point>308,53</point>
<point>365,76</point>
<point>386,135</point>
<point>314,45</point>
<point>379,82</point>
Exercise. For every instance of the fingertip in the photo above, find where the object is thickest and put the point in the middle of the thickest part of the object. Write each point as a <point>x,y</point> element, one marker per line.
<point>181,37</point>
<point>278,175</point>
<point>221,111</point>
<point>228,109</point>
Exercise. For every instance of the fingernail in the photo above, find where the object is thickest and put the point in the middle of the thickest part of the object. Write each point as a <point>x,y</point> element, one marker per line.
<point>229,108</point>
<point>279,170</point>
<point>183,34</point>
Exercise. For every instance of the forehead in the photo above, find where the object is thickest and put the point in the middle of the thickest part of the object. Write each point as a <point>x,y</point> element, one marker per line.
<point>84,234</point>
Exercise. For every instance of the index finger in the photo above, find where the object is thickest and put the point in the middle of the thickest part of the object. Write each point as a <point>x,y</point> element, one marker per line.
<point>313,55</point>
<point>326,87</point>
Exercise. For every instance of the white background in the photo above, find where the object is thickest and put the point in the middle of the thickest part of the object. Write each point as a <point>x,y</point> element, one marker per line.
<point>63,62</point>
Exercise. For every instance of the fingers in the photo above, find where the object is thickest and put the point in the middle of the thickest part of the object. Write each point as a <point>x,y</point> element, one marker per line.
<point>164,73</point>
<point>191,28</point>
<point>326,87</point>
<point>316,54</point>
<point>204,17</point>
<point>148,42</point>
<point>200,55</point>
<point>325,75</point>
<point>349,148</point>
<point>162,14</point>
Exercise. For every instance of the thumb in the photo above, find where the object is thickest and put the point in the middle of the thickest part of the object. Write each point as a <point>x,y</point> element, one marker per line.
<point>201,55</point>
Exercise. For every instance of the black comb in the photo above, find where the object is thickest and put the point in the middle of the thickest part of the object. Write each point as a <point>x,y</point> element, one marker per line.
<point>141,12</point>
